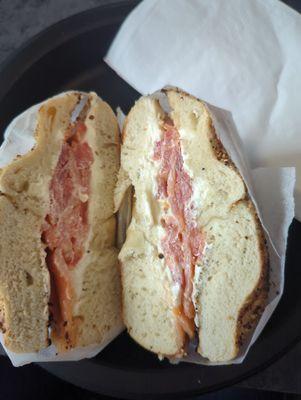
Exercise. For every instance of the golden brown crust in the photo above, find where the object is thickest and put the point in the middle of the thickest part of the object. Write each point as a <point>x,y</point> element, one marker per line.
<point>255,304</point>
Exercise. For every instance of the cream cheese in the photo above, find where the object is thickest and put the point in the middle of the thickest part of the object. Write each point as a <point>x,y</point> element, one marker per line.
<point>197,281</point>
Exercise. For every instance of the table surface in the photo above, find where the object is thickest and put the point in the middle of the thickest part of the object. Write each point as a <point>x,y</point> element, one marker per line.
<point>19,21</point>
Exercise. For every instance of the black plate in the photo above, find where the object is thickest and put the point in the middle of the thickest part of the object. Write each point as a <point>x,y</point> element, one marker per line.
<point>69,56</point>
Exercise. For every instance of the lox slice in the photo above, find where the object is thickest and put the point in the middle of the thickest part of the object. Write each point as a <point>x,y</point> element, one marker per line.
<point>35,196</point>
<point>230,285</point>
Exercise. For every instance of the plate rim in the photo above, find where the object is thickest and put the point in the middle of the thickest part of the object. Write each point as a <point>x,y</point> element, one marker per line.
<point>178,394</point>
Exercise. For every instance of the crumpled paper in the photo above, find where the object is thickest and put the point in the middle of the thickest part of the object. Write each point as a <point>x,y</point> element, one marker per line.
<point>272,192</point>
<point>18,140</point>
<point>243,56</point>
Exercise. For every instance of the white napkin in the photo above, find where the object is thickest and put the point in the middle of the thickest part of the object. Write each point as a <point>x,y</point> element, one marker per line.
<point>241,55</point>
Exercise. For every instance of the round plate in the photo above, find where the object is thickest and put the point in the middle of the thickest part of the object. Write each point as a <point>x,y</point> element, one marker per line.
<point>69,56</point>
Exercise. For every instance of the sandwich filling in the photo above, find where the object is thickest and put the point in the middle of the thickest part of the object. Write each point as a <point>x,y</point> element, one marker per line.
<point>183,242</point>
<point>66,226</point>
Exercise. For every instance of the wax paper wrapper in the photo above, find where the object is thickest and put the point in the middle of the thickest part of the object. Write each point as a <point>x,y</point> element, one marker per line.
<point>271,190</point>
<point>18,140</point>
<point>240,55</point>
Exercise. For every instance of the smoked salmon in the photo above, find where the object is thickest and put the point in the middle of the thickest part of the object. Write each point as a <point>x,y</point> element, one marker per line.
<point>66,225</point>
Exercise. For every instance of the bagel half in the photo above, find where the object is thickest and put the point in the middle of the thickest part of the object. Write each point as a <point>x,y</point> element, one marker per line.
<point>58,264</point>
<point>194,261</point>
